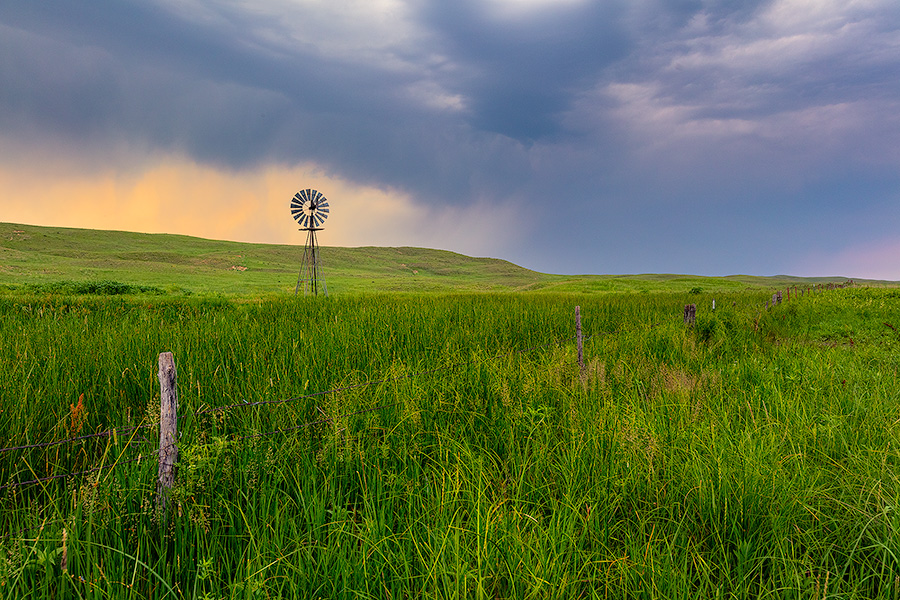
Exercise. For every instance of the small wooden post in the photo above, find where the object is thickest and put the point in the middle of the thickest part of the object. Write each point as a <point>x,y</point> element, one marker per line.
<point>168,428</point>
<point>579,338</point>
<point>690,314</point>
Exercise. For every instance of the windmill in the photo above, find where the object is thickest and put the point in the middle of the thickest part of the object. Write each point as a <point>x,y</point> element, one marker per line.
<point>310,209</point>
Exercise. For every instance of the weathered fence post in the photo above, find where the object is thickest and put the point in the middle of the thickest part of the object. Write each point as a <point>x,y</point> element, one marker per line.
<point>690,314</point>
<point>580,338</point>
<point>168,428</point>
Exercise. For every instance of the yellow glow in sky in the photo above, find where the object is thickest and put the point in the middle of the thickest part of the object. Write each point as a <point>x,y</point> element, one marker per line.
<point>180,196</point>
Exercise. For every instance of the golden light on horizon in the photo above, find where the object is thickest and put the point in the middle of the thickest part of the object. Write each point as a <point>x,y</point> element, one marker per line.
<point>183,197</point>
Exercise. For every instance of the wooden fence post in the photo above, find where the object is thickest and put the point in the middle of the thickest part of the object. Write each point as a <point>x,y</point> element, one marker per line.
<point>579,337</point>
<point>690,314</point>
<point>168,428</point>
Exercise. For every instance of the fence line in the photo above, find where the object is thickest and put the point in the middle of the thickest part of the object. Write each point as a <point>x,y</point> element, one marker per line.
<point>91,470</point>
<point>52,477</point>
<point>376,381</point>
<point>126,429</point>
<point>115,431</point>
<point>150,455</point>
<point>107,433</point>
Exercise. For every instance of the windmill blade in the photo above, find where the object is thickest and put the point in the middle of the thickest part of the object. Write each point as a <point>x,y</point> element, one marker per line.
<point>310,208</point>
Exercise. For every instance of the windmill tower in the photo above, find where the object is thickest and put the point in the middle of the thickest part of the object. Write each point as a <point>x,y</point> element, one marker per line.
<point>310,209</point>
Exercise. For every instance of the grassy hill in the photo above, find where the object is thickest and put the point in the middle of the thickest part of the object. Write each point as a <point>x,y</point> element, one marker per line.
<point>41,257</point>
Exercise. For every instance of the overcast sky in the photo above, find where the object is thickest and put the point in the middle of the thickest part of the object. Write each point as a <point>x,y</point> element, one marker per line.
<point>568,136</point>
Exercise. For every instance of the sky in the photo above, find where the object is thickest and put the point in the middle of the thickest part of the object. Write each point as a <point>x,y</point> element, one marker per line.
<point>706,137</point>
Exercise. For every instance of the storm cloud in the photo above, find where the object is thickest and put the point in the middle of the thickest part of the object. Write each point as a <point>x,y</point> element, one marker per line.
<point>640,136</point>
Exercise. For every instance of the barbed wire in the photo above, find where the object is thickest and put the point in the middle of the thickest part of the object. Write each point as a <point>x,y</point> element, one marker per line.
<point>327,419</point>
<point>107,433</point>
<point>128,429</point>
<point>332,419</point>
<point>76,473</point>
<point>12,533</point>
<point>374,382</point>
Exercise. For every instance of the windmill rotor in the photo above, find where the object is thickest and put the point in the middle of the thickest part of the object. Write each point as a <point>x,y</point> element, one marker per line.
<point>310,208</point>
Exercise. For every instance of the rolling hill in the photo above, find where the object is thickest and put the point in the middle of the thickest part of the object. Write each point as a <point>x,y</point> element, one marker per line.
<point>35,257</point>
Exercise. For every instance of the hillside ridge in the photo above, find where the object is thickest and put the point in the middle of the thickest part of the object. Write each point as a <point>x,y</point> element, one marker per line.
<point>32,255</point>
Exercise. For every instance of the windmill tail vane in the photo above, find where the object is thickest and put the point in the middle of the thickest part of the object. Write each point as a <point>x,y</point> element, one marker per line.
<point>310,209</point>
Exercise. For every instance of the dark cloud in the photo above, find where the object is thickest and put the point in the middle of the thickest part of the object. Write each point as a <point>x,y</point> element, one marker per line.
<point>659,124</point>
<point>518,74</point>
<point>89,75</point>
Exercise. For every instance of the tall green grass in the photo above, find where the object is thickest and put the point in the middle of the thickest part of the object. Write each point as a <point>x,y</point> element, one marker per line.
<point>754,455</point>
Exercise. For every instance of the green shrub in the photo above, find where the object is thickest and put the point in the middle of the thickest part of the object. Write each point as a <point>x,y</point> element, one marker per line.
<point>95,288</point>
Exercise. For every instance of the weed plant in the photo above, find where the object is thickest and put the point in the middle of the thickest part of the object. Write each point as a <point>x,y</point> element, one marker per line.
<point>754,455</point>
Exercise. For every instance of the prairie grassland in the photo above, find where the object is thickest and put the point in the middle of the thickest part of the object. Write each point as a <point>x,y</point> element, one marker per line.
<point>754,455</point>
<point>71,261</point>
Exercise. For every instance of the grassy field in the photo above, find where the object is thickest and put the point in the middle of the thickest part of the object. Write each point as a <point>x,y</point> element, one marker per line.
<point>44,257</point>
<point>464,453</point>
<point>754,455</point>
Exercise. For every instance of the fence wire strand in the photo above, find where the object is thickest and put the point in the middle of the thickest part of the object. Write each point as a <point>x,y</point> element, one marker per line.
<point>117,431</point>
<point>127,429</point>
<point>76,473</point>
<point>107,433</point>
<point>363,384</point>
